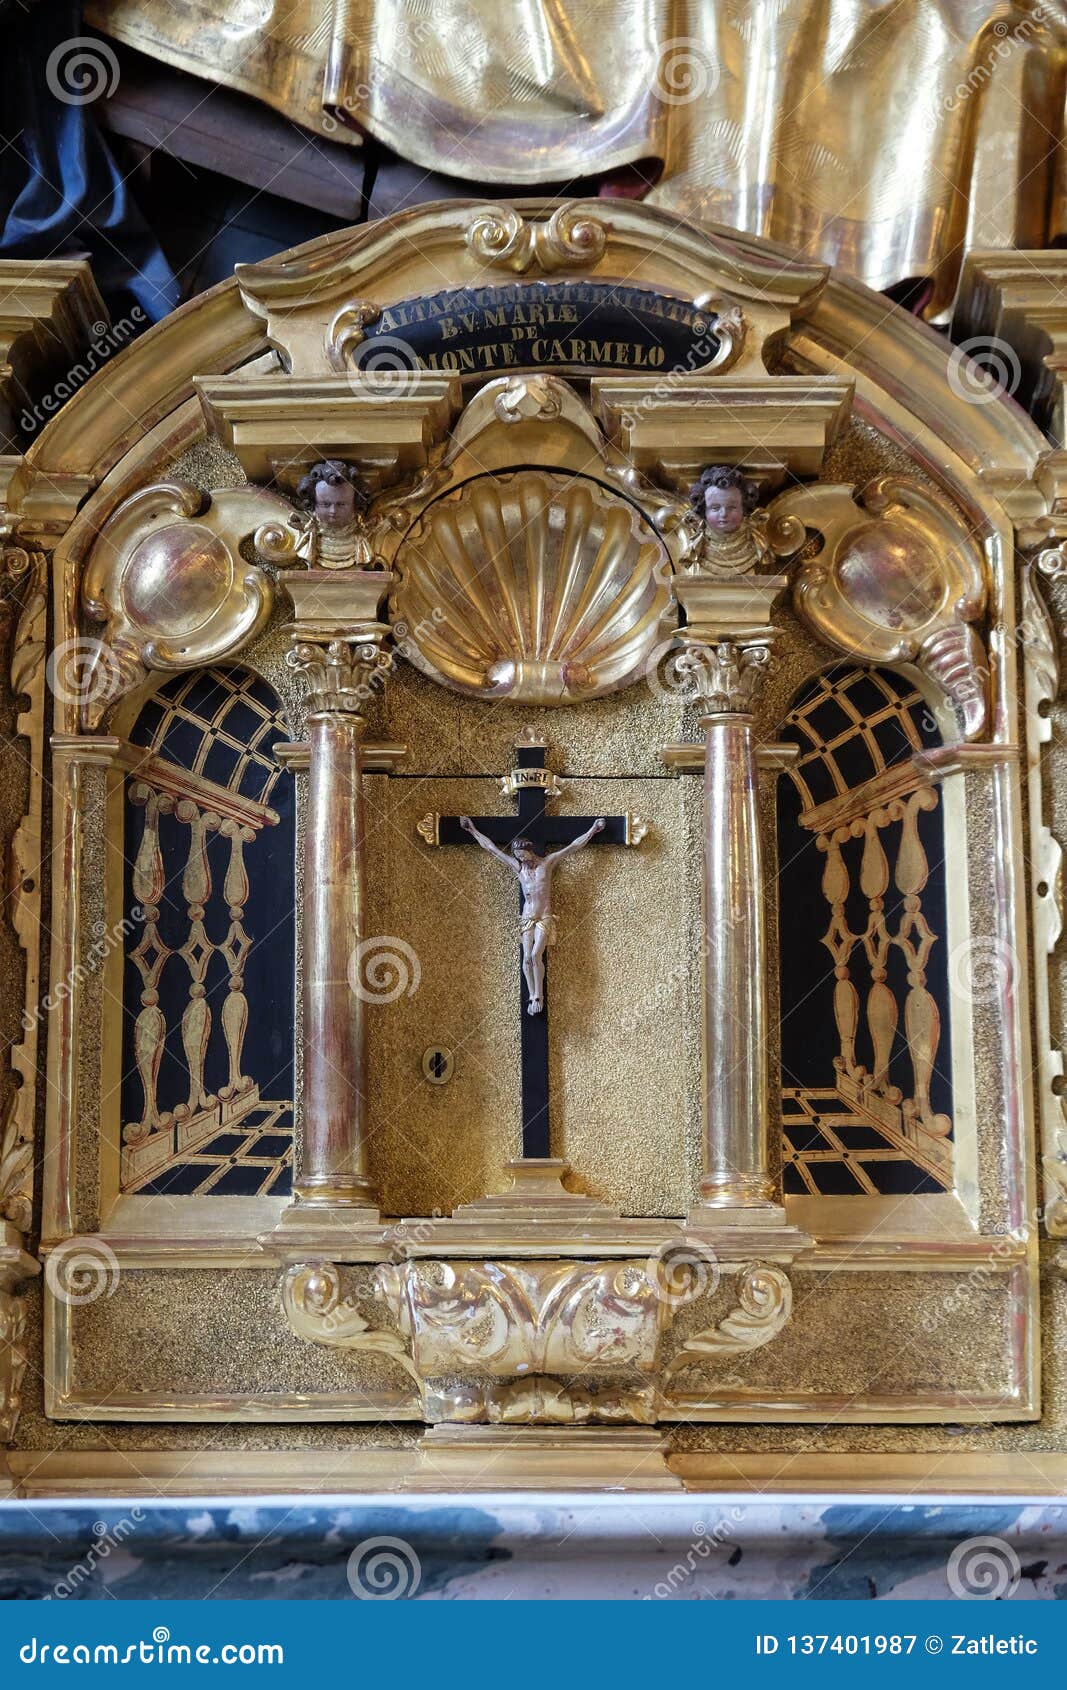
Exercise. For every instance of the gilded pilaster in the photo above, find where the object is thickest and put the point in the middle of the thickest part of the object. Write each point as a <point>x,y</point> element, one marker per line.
<point>337,650</point>
<point>726,651</point>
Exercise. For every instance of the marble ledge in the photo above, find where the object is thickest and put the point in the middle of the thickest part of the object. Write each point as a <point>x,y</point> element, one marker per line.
<point>537,1547</point>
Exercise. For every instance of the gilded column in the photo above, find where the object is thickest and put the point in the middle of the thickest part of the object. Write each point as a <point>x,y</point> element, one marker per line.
<point>337,648</point>
<point>727,649</point>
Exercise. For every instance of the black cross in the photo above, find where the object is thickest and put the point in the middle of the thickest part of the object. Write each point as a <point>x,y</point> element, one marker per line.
<point>533,784</point>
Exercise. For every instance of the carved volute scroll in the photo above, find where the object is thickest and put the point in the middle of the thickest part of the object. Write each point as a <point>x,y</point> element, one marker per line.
<point>899,576</point>
<point>169,579</point>
<point>322,318</point>
<point>572,238</point>
<point>538,1342</point>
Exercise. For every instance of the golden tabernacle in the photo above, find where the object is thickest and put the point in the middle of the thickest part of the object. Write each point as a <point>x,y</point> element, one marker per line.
<point>549,863</point>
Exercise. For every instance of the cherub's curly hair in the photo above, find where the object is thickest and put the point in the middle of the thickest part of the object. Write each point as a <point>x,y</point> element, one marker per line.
<point>335,474</point>
<point>723,476</point>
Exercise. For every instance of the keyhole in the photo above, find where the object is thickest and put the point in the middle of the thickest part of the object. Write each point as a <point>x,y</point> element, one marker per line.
<point>437,1065</point>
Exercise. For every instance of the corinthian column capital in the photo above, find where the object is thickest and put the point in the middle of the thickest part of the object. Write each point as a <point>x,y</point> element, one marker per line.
<point>726,675</point>
<point>338,640</point>
<point>340,674</point>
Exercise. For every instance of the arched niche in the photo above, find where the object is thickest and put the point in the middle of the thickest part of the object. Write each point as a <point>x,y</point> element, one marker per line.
<point>208,922</point>
<point>874,947</point>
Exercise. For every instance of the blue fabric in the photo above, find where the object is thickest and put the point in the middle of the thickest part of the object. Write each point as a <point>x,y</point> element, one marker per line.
<point>61,191</point>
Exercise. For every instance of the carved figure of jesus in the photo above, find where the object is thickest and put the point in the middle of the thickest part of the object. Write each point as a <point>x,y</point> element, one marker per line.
<point>534,875</point>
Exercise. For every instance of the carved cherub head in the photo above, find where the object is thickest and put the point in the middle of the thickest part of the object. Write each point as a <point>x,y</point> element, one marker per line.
<point>331,491</point>
<point>724,498</point>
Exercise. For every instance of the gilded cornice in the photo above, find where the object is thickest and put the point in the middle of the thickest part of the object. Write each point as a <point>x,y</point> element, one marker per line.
<point>1019,300</point>
<point>824,323</point>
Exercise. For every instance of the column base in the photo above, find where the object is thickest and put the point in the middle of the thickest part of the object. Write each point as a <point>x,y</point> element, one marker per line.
<point>739,1191</point>
<point>534,1216</point>
<point>740,1231</point>
<point>330,1230</point>
<point>327,1191</point>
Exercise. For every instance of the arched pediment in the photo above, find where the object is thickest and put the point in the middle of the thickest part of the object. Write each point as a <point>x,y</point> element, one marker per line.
<point>804,316</point>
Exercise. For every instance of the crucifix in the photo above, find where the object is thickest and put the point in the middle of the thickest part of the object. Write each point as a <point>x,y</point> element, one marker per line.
<point>524,844</point>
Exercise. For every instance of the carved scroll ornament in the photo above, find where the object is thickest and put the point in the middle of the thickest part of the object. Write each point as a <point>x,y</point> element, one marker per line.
<point>24,585</point>
<point>540,1342</point>
<point>899,577</point>
<point>169,578</point>
<point>517,1318</point>
<point>764,1306</point>
<point>24,575</point>
<point>572,238</point>
<point>316,1311</point>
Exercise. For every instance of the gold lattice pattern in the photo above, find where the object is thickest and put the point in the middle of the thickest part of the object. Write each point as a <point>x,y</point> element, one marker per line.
<point>229,716</point>
<point>852,725</point>
<point>859,730</point>
<point>197,719</point>
<point>838,1150</point>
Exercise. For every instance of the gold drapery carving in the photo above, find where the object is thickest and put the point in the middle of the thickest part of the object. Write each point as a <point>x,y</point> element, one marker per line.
<point>884,139</point>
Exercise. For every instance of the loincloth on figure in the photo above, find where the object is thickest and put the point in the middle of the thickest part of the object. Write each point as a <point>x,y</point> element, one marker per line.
<point>547,924</point>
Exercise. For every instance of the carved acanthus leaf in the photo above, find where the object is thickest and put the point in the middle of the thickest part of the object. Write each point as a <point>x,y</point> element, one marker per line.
<point>16,1155</point>
<point>337,673</point>
<point>24,574</point>
<point>316,1311</point>
<point>726,675</point>
<point>956,659</point>
<point>764,1305</point>
<point>508,1318</point>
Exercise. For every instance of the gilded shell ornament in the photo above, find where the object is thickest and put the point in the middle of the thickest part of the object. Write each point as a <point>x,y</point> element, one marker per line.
<point>535,586</point>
